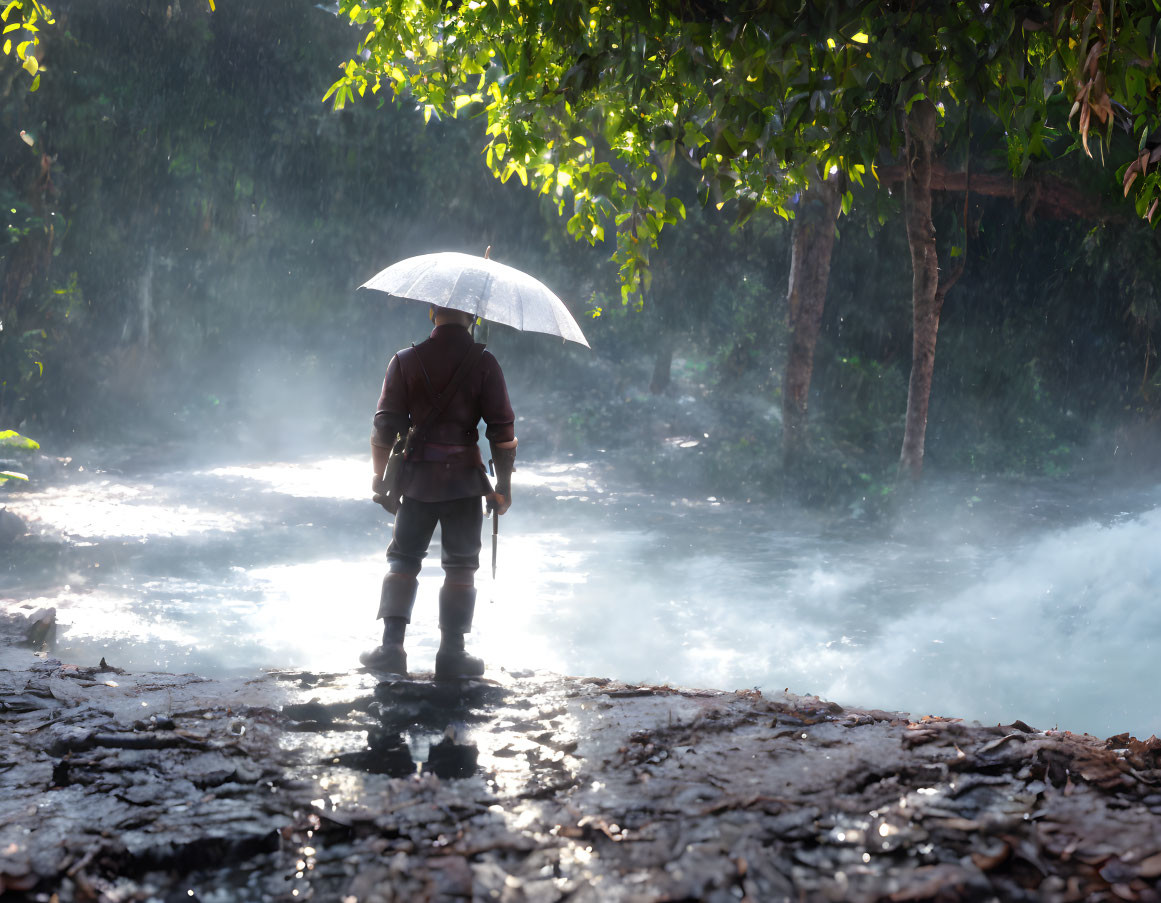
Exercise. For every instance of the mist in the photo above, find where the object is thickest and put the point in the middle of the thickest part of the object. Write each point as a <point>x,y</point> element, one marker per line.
<point>969,610</point>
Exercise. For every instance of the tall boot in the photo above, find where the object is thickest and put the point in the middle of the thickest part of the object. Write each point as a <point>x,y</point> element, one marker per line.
<point>457,604</point>
<point>395,604</point>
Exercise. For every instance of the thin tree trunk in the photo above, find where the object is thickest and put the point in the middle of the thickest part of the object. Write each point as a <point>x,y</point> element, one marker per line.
<point>810,256</point>
<point>926,299</point>
<point>147,299</point>
<point>662,365</point>
<point>661,307</point>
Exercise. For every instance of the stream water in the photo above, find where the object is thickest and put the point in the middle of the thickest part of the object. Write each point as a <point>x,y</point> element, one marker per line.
<point>993,602</point>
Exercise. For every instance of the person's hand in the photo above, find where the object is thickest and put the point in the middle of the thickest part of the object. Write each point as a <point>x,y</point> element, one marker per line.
<point>379,489</point>
<point>498,502</point>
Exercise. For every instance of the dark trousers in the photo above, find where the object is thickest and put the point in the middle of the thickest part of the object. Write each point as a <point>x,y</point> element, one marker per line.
<point>459,523</point>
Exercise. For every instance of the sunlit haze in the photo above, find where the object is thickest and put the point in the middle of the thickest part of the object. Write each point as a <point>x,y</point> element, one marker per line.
<point>277,565</point>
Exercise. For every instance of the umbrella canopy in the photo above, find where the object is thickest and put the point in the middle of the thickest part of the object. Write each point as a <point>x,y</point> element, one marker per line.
<point>479,286</point>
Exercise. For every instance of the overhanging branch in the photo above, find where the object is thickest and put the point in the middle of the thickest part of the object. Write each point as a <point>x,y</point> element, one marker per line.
<point>1052,198</point>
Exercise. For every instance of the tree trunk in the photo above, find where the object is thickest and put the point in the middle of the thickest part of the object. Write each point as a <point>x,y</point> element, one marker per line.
<point>925,297</point>
<point>810,255</point>
<point>661,307</point>
<point>662,365</point>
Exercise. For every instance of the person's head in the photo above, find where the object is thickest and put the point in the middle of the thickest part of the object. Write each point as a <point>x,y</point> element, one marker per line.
<point>442,316</point>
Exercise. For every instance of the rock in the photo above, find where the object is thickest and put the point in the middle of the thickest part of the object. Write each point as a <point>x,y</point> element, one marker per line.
<point>11,526</point>
<point>41,628</point>
<point>542,787</point>
<point>36,628</point>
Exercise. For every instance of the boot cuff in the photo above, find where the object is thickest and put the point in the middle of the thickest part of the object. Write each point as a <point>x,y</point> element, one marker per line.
<point>398,596</point>
<point>457,604</point>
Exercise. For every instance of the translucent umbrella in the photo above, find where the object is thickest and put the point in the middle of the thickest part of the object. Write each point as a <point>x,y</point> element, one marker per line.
<point>479,286</point>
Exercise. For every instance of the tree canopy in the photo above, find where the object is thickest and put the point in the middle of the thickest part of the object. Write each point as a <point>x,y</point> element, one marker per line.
<point>593,103</point>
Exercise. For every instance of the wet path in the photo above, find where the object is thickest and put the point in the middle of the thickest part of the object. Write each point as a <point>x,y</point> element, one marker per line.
<point>994,602</point>
<point>300,786</point>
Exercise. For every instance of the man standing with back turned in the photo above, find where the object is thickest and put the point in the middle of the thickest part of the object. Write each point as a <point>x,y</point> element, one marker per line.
<point>443,481</point>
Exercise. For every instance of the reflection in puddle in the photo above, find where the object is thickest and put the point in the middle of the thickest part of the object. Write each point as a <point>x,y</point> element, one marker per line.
<point>399,754</point>
<point>423,726</point>
<point>413,725</point>
<point>517,734</point>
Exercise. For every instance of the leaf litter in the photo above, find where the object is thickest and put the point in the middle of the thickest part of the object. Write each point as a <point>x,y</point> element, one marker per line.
<point>535,787</point>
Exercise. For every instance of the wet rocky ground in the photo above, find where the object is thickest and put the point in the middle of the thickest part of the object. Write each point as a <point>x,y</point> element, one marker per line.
<point>534,787</point>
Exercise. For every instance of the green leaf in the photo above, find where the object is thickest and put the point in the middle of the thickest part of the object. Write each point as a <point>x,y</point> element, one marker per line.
<point>13,439</point>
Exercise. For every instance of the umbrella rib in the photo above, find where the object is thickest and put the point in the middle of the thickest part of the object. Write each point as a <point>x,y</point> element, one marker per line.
<point>415,276</point>
<point>480,299</point>
<point>561,326</point>
<point>485,294</point>
<point>451,295</point>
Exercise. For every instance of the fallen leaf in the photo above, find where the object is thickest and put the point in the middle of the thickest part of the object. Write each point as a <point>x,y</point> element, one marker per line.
<point>1150,867</point>
<point>986,861</point>
<point>931,881</point>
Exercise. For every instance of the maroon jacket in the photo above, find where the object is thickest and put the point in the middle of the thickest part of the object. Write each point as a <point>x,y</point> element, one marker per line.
<point>448,466</point>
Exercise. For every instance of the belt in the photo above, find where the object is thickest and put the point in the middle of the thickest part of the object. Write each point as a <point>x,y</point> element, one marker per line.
<point>467,455</point>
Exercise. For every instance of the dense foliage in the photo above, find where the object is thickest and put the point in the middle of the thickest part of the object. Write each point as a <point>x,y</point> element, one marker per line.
<point>594,103</point>
<point>193,208</point>
<point>187,225</point>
